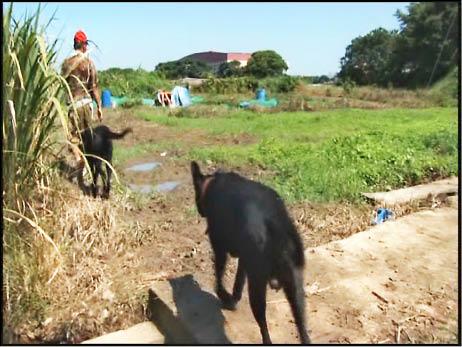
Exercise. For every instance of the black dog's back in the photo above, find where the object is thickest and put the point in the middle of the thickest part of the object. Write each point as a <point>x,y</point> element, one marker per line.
<point>244,207</point>
<point>250,221</point>
<point>98,141</point>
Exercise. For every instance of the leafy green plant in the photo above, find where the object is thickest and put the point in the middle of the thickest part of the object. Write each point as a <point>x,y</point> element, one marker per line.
<point>132,83</point>
<point>348,86</point>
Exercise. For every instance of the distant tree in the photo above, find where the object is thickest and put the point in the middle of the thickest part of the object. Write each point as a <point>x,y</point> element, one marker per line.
<point>266,63</point>
<point>184,68</point>
<point>320,79</point>
<point>229,69</point>
<point>368,58</point>
<point>428,45</point>
<point>425,49</point>
<point>168,69</point>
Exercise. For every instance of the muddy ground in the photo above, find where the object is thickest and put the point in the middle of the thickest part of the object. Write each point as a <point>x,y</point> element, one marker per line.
<point>171,239</point>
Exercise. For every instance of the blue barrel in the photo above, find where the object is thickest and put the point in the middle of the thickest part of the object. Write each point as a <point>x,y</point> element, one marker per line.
<point>106,98</point>
<point>261,94</point>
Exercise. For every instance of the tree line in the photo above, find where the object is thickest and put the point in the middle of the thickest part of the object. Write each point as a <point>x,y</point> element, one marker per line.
<point>261,64</point>
<point>422,51</point>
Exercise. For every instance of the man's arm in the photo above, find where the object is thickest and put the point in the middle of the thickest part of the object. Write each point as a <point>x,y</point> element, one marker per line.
<point>94,89</point>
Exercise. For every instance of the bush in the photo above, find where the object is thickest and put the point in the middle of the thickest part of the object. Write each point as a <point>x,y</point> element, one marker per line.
<point>445,91</point>
<point>229,85</point>
<point>133,83</point>
<point>283,84</point>
<point>348,86</point>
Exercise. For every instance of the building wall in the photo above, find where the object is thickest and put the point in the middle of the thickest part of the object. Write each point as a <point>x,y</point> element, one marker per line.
<point>240,57</point>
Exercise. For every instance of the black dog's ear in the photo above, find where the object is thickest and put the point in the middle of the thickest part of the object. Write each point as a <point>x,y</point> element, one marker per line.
<point>196,171</point>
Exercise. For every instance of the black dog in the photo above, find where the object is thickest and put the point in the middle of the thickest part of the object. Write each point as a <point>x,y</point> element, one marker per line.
<point>249,221</point>
<point>97,142</point>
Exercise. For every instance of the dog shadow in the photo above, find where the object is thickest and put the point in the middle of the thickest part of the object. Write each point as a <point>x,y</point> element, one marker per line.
<point>72,173</point>
<point>199,319</point>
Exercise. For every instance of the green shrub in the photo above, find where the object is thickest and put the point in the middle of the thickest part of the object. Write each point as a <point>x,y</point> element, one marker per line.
<point>283,84</point>
<point>348,86</point>
<point>132,83</point>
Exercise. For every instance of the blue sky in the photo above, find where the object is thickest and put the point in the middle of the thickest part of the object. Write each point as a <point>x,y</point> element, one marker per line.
<point>311,37</point>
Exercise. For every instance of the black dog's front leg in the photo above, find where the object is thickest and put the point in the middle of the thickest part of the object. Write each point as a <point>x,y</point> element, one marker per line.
<point>226,298</point>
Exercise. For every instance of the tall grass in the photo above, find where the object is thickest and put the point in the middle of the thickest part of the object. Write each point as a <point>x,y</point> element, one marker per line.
<point>32,91</point>
<point>51,233</point>
<point>32,103</point>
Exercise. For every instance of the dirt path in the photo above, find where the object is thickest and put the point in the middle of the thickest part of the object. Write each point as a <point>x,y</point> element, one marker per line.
<point>401,275</point>
<point>394,283</point>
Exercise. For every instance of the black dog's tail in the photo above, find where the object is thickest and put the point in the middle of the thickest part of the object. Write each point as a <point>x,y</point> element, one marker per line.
<point>299,253</point>
<point>116,136</point>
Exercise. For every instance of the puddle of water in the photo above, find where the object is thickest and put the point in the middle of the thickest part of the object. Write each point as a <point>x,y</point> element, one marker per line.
<point>141,188</point>
<point>144,167</point>
<point>167,186</point>
<point>149,188</point>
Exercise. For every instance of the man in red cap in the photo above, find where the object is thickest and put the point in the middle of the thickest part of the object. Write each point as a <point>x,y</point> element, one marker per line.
<point>81,75</point>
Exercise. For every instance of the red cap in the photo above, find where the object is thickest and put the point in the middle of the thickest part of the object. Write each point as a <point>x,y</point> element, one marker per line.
<point>80,37</point>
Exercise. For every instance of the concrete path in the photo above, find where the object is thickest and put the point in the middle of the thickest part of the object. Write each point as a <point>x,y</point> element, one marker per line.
<point>143,333</point>
<point>446,186</point>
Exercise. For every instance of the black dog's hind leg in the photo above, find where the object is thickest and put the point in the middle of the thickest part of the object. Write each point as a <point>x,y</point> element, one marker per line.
<point>96,170</point>
<point>293,288</point>
<point>107,182</point>
<point>220,262</point>
<point>257,297</point>
<point>239,282</point>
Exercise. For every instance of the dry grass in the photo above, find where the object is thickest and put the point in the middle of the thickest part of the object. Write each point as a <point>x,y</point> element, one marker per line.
<point>369,96</point>
<point>96,286</point>
<point>322,223</point>
<point>54,302</point>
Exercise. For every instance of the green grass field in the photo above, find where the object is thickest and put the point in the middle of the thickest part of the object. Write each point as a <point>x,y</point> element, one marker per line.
<point>331,155</point>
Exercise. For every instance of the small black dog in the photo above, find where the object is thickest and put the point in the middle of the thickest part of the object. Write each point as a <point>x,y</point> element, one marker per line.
<point>98,143</point>
<point>249,221</point>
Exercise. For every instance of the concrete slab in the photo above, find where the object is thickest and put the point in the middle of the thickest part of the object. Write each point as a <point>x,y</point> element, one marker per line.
<point>446,186</point>
<point>195,311</point>
<point>143,333</point>
<point>199,311</point>
<point>384,275</point>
